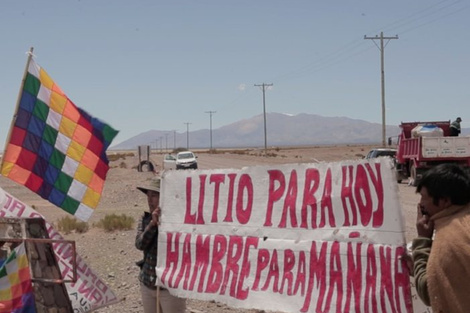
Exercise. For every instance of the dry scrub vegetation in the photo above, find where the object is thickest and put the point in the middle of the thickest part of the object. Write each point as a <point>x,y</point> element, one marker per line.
<point>109,223</point>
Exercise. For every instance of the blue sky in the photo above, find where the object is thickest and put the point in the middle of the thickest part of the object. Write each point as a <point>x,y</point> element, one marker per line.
<point>142,65</point>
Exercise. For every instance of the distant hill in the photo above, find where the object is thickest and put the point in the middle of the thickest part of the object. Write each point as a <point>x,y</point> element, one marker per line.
<point>282,130</point>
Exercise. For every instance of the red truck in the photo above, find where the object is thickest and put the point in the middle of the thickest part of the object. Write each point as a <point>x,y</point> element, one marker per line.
<point>422,145</point>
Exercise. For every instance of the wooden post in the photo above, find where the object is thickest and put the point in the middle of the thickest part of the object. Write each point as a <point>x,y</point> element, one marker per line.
<point>30,56</point>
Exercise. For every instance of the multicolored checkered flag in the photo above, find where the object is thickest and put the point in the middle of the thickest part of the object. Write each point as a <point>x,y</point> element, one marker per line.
<point>55,148</point>
<point>16,290</point>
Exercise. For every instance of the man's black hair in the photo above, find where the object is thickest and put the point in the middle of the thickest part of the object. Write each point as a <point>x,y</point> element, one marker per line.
<point>446,181</point>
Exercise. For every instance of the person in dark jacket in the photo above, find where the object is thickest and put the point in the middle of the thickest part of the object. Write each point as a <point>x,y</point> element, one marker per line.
<point>455,127</point>
<point>146,241</point>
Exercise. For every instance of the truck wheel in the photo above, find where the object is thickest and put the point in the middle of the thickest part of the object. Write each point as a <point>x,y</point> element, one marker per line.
<point>398,176</point>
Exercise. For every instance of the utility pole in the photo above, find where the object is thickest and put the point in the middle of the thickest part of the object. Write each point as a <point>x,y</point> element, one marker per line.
<point>187,135</point>
<point>161,144</point>
<point>174,139</point>
<point>210,114</point>
<point>381,48</point>
<point>263,85</point>
<point>166,143</point>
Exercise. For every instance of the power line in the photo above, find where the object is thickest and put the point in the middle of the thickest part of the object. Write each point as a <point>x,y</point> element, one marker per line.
<point>348,51</point>
<point>459,10</point>
<point>417,16</point>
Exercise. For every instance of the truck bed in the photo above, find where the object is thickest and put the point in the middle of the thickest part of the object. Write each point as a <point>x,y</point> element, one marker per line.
<point>436,148</point>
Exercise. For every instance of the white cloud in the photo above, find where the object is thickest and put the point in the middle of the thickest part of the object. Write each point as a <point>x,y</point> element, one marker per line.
<point>242,87</point>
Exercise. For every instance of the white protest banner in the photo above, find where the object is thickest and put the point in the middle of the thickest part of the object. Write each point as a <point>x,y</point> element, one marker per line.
<point>296,238</point>
<point>89,292</point>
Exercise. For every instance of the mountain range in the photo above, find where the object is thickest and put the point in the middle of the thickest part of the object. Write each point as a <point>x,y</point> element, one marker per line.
<point>282,130</point>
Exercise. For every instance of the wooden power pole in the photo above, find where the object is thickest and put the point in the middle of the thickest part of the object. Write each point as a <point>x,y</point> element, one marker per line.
<point>264,86</point>
<point>381,48</point>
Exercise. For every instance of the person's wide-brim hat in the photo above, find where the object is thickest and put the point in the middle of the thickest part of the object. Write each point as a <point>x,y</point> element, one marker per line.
<point>153,185</point>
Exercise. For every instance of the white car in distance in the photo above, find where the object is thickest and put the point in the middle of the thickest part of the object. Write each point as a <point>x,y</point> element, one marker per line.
<point>186,160</point>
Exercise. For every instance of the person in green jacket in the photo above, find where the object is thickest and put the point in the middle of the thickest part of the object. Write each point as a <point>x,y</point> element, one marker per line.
<point>455,127</point>
<point>441,253</point>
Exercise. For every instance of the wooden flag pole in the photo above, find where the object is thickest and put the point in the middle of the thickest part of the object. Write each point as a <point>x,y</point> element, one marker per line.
<point>30,56</point>
<point>158,299</point>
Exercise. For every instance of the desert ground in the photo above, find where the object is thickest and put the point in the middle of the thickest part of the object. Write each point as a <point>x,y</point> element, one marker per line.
<point>113,255</point>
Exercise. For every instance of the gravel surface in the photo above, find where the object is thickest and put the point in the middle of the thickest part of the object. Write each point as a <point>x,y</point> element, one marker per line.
<point>113,256</point>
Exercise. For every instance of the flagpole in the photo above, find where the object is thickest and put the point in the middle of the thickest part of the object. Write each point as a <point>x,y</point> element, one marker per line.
<point>158,299</point>
<point>30,56</point>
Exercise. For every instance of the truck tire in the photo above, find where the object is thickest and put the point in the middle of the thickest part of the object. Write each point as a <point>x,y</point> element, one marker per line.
<point>398,176</point>
<point>145,166</point>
